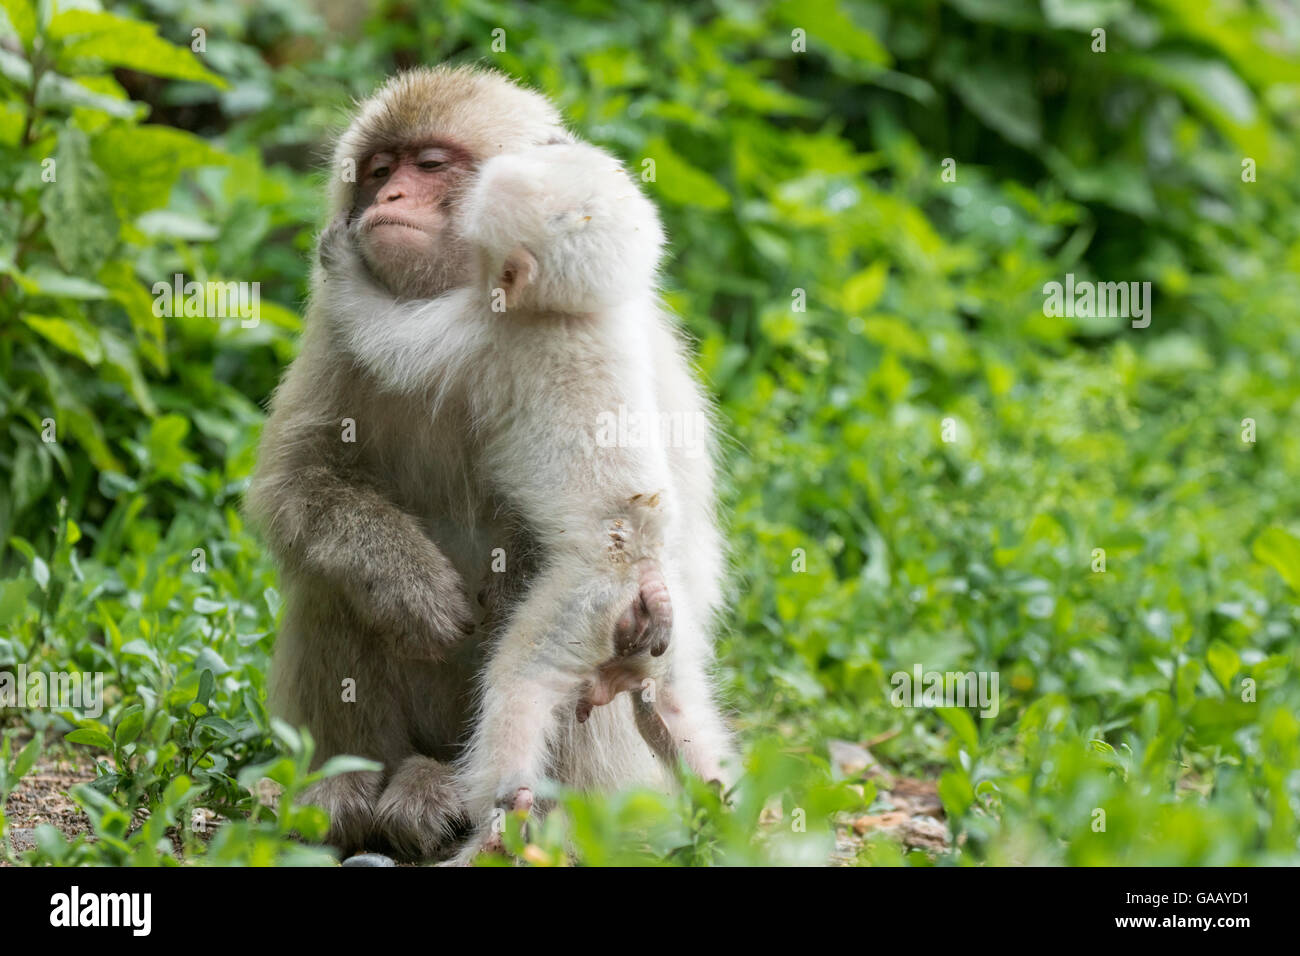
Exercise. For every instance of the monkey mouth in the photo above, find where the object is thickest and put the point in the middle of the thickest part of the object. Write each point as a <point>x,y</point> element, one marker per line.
<point>373,224</point>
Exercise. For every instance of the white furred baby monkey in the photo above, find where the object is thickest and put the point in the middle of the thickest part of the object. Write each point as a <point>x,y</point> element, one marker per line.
<point>485,303</point>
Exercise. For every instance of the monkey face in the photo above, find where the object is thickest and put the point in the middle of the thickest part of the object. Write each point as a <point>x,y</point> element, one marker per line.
<point>409,154</point>
<point>403,214</point>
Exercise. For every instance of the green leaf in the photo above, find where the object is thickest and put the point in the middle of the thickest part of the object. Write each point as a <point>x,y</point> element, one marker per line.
<point>117,41</point>
<point>55,91</point>
<point>169,224</point>
<point>140,648</point>
<point>135,300</point>
<point>207,684</point>
<point>956,793</point>
<point>678,182</point>
<point>26,758</point>
<point>22,17</point>
<point>864,289</point>
<point>15,69</point>
<point>1207,83</point>
<point>176,794</point>
<point>91,737</point>
<point>129,726</point>
<point>346,764</point>
<point>50,843</point>
<point>41,573</point>
<point>72,337</point>
<point>310,823</point>
<point>13,599</point>
<point>829,25</point>
<point>121,366</point>
<point>42,280</point>
<point>13,119</point>
<point>963,726</point>
<point>282,771</point>
<point>79,216</point>
<point>143,163</point>
<point>219,726</point>
<point>1001,94</point>
<point>1083,14</point>
<point>1280,550</point>
<point>1224,662</point>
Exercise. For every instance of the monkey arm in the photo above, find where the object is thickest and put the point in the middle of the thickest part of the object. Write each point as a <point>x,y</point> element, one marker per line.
<point>325,525</point>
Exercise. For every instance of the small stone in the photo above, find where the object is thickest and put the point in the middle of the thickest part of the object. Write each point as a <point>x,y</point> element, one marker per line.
<point>880,821</point>
<point>855,762</point>
<point>925,833</point>
<point>369,859</point>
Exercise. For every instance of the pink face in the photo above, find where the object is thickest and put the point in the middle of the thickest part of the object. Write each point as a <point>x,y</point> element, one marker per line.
<point>402,211</point>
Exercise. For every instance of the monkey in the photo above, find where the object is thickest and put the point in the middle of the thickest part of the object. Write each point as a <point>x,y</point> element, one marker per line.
<point>484,293</point>
<point>521,202</point>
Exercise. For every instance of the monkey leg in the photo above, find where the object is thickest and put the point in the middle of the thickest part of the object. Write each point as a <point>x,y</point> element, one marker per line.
<point>330,674</point>
<point>510,749</point>
<point>680,724</point>
<point>420,813</point>
<point>677,715</point>
<point>536,668</point>
<point>594,622</point>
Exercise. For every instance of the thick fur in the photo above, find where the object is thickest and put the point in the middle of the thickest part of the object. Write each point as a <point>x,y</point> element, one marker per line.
<point>478,430</point>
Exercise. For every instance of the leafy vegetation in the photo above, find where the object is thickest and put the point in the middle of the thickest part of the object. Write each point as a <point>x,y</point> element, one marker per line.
<point>856,303</point>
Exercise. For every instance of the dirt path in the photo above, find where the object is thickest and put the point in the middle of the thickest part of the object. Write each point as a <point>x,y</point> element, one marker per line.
<point>42,797</point>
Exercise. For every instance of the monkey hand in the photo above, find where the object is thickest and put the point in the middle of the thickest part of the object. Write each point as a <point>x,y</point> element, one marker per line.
<point>422,608</point>
<point>334,243</point>
<point>340,258</point>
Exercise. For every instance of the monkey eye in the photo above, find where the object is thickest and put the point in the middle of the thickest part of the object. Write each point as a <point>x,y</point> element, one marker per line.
<point>432,158</point>
<point>381,165</point>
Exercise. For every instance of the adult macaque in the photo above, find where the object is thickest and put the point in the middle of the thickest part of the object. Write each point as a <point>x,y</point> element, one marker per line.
<point>484,306</point>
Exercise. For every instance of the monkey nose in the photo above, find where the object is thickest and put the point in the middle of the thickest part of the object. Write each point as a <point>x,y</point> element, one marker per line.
<point>393,196</point>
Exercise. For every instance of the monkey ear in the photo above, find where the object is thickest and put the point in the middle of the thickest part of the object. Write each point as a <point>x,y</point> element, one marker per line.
<point>517,273</point>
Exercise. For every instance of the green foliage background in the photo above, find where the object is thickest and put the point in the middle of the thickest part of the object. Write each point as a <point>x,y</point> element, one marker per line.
<point>1162,691</point>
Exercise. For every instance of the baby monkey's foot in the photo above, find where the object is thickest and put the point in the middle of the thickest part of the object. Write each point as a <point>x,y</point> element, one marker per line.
<point>489,839</point>
<point>519,802</point>
<point>646,625</point>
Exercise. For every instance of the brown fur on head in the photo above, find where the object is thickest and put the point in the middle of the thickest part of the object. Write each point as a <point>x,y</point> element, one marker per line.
<point>402,164</point>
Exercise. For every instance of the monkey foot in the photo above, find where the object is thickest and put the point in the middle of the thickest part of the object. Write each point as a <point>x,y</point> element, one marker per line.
<point>520,802</point>
<point>612,678</point>
<point>647,624</point>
